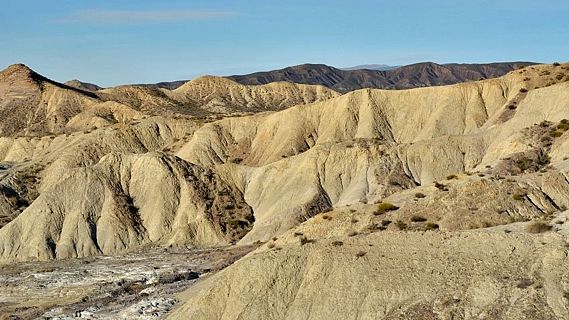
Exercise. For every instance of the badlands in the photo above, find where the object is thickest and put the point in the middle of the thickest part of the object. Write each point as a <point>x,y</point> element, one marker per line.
<point>285,200</point>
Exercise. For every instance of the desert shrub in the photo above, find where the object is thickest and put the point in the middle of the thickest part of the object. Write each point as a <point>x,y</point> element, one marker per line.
<point>431,226</point>
<point>452,176</point>
<point>441,186</point>
<point>401,225</point>
<point>563,125</point>
<point>524,90</point>
<point>512,107</point>
<point>559,76</point>
<point>384,207</point>
<point>420,195</point>
<point>518,196</point>
<point>523,163</point>
<point>556,64</point>
<point>304,240</point>
<point>352,233</point>
<point>418,219</point>
<point>526,79</point>
<point>555,133</point>
<point>385,223</point>
<point>375,227</point>
<point>538,227</point>
<point>524,283</point>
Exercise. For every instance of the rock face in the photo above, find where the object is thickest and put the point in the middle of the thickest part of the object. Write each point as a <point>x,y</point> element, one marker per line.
<point>405,77</point>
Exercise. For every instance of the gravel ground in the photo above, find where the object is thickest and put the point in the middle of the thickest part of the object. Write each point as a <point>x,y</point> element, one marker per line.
<point>138,285</point>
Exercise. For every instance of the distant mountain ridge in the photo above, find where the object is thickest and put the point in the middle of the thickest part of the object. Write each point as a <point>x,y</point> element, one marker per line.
<point>380,67</point>
<point>406,77</point>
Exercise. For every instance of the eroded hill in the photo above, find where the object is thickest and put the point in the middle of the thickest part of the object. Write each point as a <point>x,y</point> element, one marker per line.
<point>390,190</point>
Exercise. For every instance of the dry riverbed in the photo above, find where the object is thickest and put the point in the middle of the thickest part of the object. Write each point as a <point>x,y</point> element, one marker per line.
<point>138,285</point>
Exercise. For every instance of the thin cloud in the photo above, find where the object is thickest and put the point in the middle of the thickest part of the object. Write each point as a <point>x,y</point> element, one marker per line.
<point>138,17</point>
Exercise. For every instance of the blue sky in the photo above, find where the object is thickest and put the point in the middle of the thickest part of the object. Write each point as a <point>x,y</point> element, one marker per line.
<point>111,42</point>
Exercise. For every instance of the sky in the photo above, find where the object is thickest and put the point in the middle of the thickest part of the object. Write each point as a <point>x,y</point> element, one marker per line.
<point>111,42</point>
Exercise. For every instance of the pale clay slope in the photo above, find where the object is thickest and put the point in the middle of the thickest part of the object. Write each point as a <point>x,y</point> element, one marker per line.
<point>33,105</point>
<point>114,207</point>
<point>403,139</point>
<point>427,134</point>
<point>392,275</point>
<point>221,95</point>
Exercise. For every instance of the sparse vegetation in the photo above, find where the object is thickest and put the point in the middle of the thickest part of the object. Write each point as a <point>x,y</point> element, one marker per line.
<point>401,225</point>
<point>304,240</point>
<point>441,186</point>
<point>518,196</point>
<point>384,207</point>
<point>361,254</point>
<point>431,226</point>
<point>538,227</point>
<point>418,219</point>
<point>556,64</point>
<point>524,283</point>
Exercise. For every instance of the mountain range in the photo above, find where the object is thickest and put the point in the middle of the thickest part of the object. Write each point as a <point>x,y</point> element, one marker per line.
<point>406,77</point>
